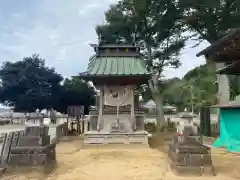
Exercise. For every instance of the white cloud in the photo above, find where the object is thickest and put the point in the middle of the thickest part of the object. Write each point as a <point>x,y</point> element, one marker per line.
<point>188,60</point>
<point>89,8</point>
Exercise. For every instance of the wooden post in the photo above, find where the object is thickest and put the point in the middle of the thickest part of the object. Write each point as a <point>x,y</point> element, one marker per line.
<point>4,143</point>
<point>67,126</point>
<point>100,110</point>
<point>133,111</point>
<point>7,148</point>
<point>83,126</point>
<point>88,126</point>
<point>78,124</point>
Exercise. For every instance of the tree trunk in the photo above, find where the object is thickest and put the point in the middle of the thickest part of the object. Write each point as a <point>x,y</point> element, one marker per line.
<point>156,94</point>
<point>159,112</point>
<point>157,97</point>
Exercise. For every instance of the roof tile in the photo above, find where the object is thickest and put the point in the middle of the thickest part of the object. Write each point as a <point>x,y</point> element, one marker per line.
<point>116,66</point>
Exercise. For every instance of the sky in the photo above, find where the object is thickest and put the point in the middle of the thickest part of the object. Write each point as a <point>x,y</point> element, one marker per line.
<point>60,31</point>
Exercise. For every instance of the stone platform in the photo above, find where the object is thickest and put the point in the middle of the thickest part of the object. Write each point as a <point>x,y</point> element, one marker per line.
<point>95,137</point>
<point>189,157</point>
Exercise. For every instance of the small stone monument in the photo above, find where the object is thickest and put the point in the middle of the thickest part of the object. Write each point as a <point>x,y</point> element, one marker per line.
<point>187,156</point>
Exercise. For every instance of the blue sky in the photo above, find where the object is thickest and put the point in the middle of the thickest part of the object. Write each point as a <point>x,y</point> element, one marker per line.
<point>60,31</point>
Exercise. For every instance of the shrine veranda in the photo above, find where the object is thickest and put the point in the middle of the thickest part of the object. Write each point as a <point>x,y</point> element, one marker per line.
<point>116,71</point>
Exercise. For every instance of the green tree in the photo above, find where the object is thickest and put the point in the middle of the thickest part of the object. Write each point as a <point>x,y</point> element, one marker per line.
<point>174,95</point>
<point>28,84</point>
<point>210,20</point>
<point>205,87</point>
<point>154,25</point>
<point>198,87</point>
<point>75,92</point>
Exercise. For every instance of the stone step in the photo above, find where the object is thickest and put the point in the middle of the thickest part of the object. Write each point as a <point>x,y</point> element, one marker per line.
<point>113,146</point>
<point>115,139</point>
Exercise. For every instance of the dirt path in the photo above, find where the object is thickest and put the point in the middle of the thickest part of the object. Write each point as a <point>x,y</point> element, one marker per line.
<point>116,163</point>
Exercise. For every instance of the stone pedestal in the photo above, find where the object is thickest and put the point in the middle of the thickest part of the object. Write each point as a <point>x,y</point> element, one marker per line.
<point>115,131</point>
<point>187,156</point>
<point>94,137</point>
<point>33,148</point>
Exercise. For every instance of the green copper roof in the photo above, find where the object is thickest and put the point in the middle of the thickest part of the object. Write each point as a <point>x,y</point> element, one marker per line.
<point>116,66</point>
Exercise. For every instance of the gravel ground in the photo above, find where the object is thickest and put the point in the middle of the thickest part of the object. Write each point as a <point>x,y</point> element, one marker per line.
<point>120,163</point>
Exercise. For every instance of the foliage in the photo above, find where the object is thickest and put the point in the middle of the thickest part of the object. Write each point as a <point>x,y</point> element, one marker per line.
<point>202,80</point>
<point>210,20</point>
<point>154,25</point>
<point>28,85</point>
<point>234,83</point>
<point>75,92</point>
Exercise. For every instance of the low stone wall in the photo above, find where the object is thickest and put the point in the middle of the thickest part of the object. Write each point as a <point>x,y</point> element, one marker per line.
<point>56,131</point>
<point>31,146</point>
<point>151,121</point>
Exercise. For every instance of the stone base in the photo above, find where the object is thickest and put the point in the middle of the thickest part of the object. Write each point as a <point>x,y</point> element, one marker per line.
<point>95,137</point>
<point>32,156</point>
<point>31,159</point>
<point>189,157</point>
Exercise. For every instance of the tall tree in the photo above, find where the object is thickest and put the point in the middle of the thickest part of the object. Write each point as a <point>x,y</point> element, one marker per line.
<point>28,84</point>
<point>75,92</point>
<point>154,25</point>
